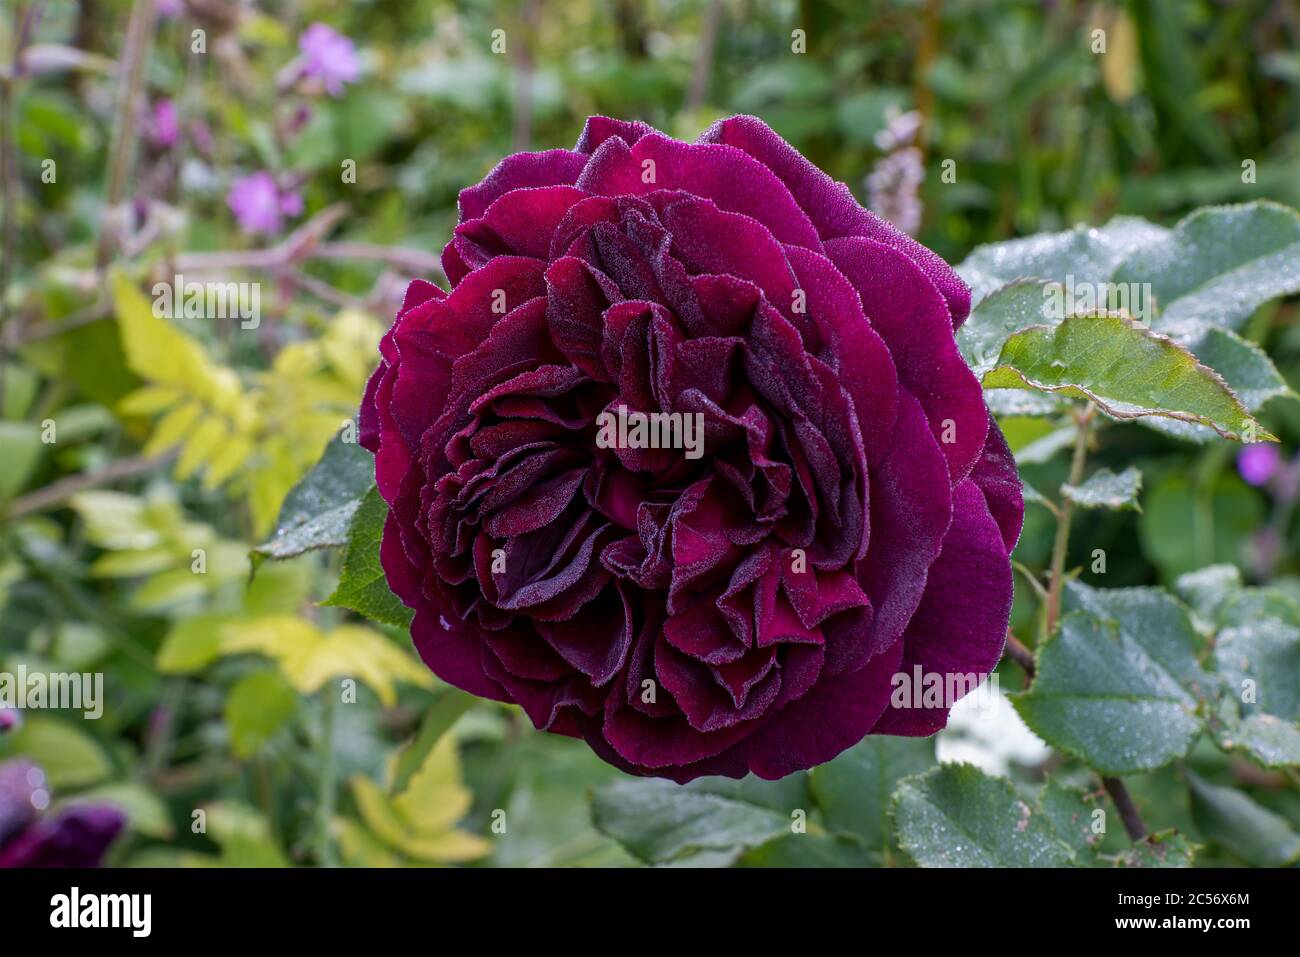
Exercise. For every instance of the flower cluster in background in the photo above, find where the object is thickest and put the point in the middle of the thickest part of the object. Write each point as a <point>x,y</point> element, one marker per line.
<point>894,184</point>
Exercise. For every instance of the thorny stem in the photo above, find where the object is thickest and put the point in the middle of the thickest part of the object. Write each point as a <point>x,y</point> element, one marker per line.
<point>1083,421</point>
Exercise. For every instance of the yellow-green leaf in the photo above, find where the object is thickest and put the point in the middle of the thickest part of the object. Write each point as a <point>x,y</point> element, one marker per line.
<point>1126,369</point>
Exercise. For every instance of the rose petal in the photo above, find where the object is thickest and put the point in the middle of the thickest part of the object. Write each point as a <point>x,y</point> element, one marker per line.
<point>960,627</point>
<point>831,206</point>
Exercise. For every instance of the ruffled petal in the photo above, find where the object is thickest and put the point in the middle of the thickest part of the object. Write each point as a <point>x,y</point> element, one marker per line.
<point>831,206</point>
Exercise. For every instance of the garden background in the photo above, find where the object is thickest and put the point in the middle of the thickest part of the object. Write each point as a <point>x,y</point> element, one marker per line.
<point>316,149</point>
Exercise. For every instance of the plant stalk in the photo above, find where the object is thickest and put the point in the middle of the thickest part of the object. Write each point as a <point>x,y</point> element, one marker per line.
<point>325,797</point>
<point>1061,546</point>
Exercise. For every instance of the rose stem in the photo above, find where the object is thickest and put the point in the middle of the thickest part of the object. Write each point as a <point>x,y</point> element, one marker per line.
<point>1128,812</point>
<point>1021,655</point>
<point>1083,421</point>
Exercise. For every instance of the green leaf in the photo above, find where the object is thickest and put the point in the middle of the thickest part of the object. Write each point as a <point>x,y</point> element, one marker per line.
<point>309,657</point>
<point>1166,848</point>
<point>1247,369</point>
<point>191,644</point>
<point>1264,737</point>
<point>1265,653</point>
<point>1125,368</point>
<point>1004,311</point>
<point>1105,489</point>
<point>146,812</point>
<point>1070,812</point>
<point>438,719</point>
<point>70,757</point>
<point>1220,264</point>
<point>363,586</point>
<point>550,781</point>
<point>1088,254</point>
<point>1043,449</point>
<point>1259,660</point>
<point>1118,683</point>
<point>318,510</point>
<point>662,822</point>
<point>1251,605</point>
<point>854,789</point>
<point>257,707</point>
<point>20,450</point>
<point>1231,819</point>
<point>1152,619</point>
<point>957,816</point>
<point>419,822</point>
<point>809,850</point>
<point>243,836</point>
<point>1208,589</point>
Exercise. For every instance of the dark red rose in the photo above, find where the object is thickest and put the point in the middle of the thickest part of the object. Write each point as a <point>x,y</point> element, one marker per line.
<point>746,610</point>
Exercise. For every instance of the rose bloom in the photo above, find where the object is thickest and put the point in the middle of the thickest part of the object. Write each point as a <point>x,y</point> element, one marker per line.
<point>742,611</point>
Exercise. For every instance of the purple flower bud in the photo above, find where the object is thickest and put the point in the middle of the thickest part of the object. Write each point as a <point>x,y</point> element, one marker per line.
<point>329,57</point>
<point>1258,463</point>
<point>894,183</point>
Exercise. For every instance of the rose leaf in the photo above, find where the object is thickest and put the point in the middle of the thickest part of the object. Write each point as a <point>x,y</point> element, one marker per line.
<point>711,821</point>
<point>1118,684</point>
<point>957,816</point>
<point>853,790</point>
<point>1231,819</point>
<point>1126,369</point>
<point>363,586</point>
<point>318,510</point>
<point>1220,263</point>
<point>1105,489</point>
